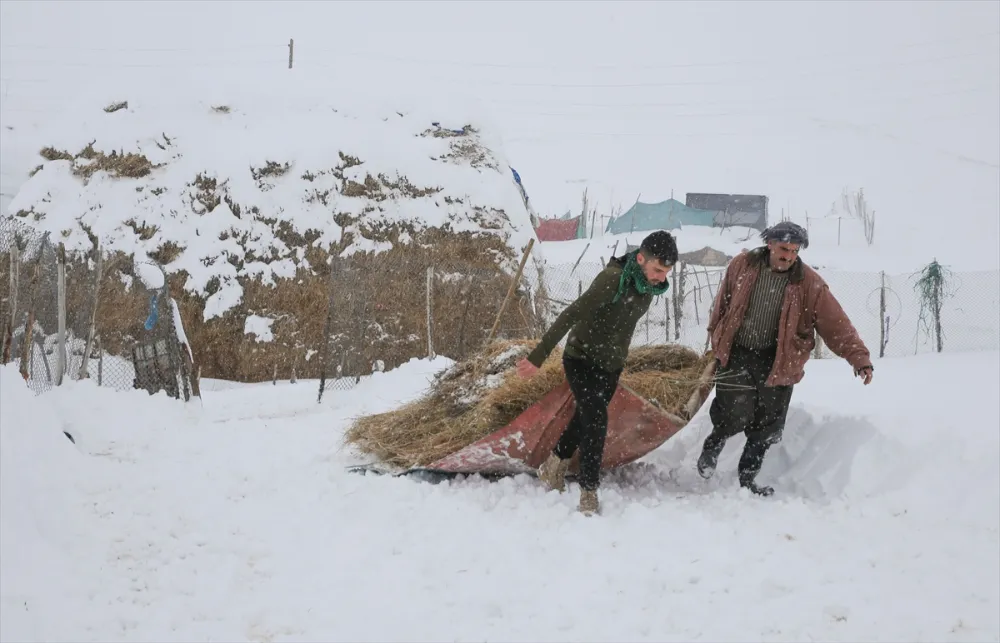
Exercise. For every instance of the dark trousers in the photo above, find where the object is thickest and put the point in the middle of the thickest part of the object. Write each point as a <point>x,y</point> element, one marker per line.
<point>743,404</point>
<point>593,388</point>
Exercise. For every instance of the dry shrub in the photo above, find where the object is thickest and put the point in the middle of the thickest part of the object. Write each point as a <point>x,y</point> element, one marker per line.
<point>30,212</point>
<point>206,194</point>
<point>166,253</point>
<point>52,154</point>
<point>380,188</point>
<point>271,168</point>
<point>465,147</point>
<point>130,165</point>
<point>481,395</point>
<point>467,151</point>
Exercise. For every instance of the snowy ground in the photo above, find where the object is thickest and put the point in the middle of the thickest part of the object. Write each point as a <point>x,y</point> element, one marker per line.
<point>235,520</point>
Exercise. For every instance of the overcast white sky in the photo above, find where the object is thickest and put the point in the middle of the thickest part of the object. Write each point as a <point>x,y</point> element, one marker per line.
<point>791,99</point>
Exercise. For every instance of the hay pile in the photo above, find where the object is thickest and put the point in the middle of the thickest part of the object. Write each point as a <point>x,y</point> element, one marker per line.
<point>476,397</point>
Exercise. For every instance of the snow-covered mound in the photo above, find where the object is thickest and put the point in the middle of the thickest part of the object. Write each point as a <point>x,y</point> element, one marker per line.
<point>223,191</point>
<point>244,195</point>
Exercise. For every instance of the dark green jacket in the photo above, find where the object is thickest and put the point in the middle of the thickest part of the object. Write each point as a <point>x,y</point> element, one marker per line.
<point>600,331</point>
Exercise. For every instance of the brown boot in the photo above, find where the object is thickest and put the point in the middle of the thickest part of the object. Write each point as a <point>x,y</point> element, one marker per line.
<point>552,473</point>
<point>589,504</point>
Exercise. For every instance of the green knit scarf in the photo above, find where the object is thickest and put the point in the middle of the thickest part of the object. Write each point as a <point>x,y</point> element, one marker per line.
<point>632,273</point>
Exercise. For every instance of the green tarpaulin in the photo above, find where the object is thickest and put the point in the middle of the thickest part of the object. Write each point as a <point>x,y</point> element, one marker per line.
<point>666,215</point>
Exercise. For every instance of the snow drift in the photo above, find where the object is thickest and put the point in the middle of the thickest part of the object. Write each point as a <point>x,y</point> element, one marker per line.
<point>238,520</point>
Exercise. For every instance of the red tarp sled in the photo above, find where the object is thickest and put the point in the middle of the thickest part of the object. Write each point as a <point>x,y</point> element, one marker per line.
<point>635,428</point>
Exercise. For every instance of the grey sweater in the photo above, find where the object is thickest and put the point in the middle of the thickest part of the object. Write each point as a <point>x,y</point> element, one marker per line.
<point>759,330</point>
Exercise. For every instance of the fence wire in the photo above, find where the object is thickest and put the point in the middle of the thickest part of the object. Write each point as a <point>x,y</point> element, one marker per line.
<point>119,327</point>
<point>382,314</point>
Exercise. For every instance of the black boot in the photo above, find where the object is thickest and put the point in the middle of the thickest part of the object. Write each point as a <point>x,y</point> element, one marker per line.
<point>756,489</point>
<point>710,456</point>
<point>750,463</point>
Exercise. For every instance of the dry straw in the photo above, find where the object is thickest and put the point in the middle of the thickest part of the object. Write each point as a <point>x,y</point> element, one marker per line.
<point>478,396</point>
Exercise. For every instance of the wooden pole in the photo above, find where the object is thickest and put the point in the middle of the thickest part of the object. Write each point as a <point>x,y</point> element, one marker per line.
<point>881,317</point>
<point>510,291</point>
<point>324,355</point>
<point>291,51</point>
<point>29,327</point>
<point>678,300</point>
<point>100,361</point>
<point>92,330</point>
<point>666,316</point>
<point>936,305</point>
<point>430,312</point>
<point>15,266</point>
<point>61,312</point>
<point>697,295</point>
<point>15,263</point>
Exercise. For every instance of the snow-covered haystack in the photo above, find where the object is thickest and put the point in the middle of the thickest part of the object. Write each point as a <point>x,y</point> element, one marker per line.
<point>245,204</point>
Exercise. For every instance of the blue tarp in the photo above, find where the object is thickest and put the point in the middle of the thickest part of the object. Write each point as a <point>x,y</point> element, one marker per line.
<point>666,215</point>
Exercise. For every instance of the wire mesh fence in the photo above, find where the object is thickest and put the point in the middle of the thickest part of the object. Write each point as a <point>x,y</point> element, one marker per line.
<point>382,314</point>
<point>88,315</point>
<point>895,314</point>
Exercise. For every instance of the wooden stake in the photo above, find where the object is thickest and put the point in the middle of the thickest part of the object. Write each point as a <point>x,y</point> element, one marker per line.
<point>881,317</point>
<point>510,291</point>
<point>61,313</point>
<point>92,327</point>
<point>430,312</point>
<point>15,263</point>
<point>100,361</point>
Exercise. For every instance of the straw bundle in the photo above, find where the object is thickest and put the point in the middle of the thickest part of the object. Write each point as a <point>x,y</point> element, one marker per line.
<point>473,398</point>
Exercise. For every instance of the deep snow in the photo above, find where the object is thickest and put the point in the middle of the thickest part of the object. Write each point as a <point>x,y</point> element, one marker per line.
<point>234,519</point>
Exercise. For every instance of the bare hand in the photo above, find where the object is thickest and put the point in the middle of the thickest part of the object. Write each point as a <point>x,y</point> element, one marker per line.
<point>866,373</point>
<point>526,369</point>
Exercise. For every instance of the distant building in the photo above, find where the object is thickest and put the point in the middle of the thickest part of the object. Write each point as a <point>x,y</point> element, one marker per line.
<point>748,210</point>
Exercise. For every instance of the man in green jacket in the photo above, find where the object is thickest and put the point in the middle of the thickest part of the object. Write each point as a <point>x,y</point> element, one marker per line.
<point>600,324</point>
